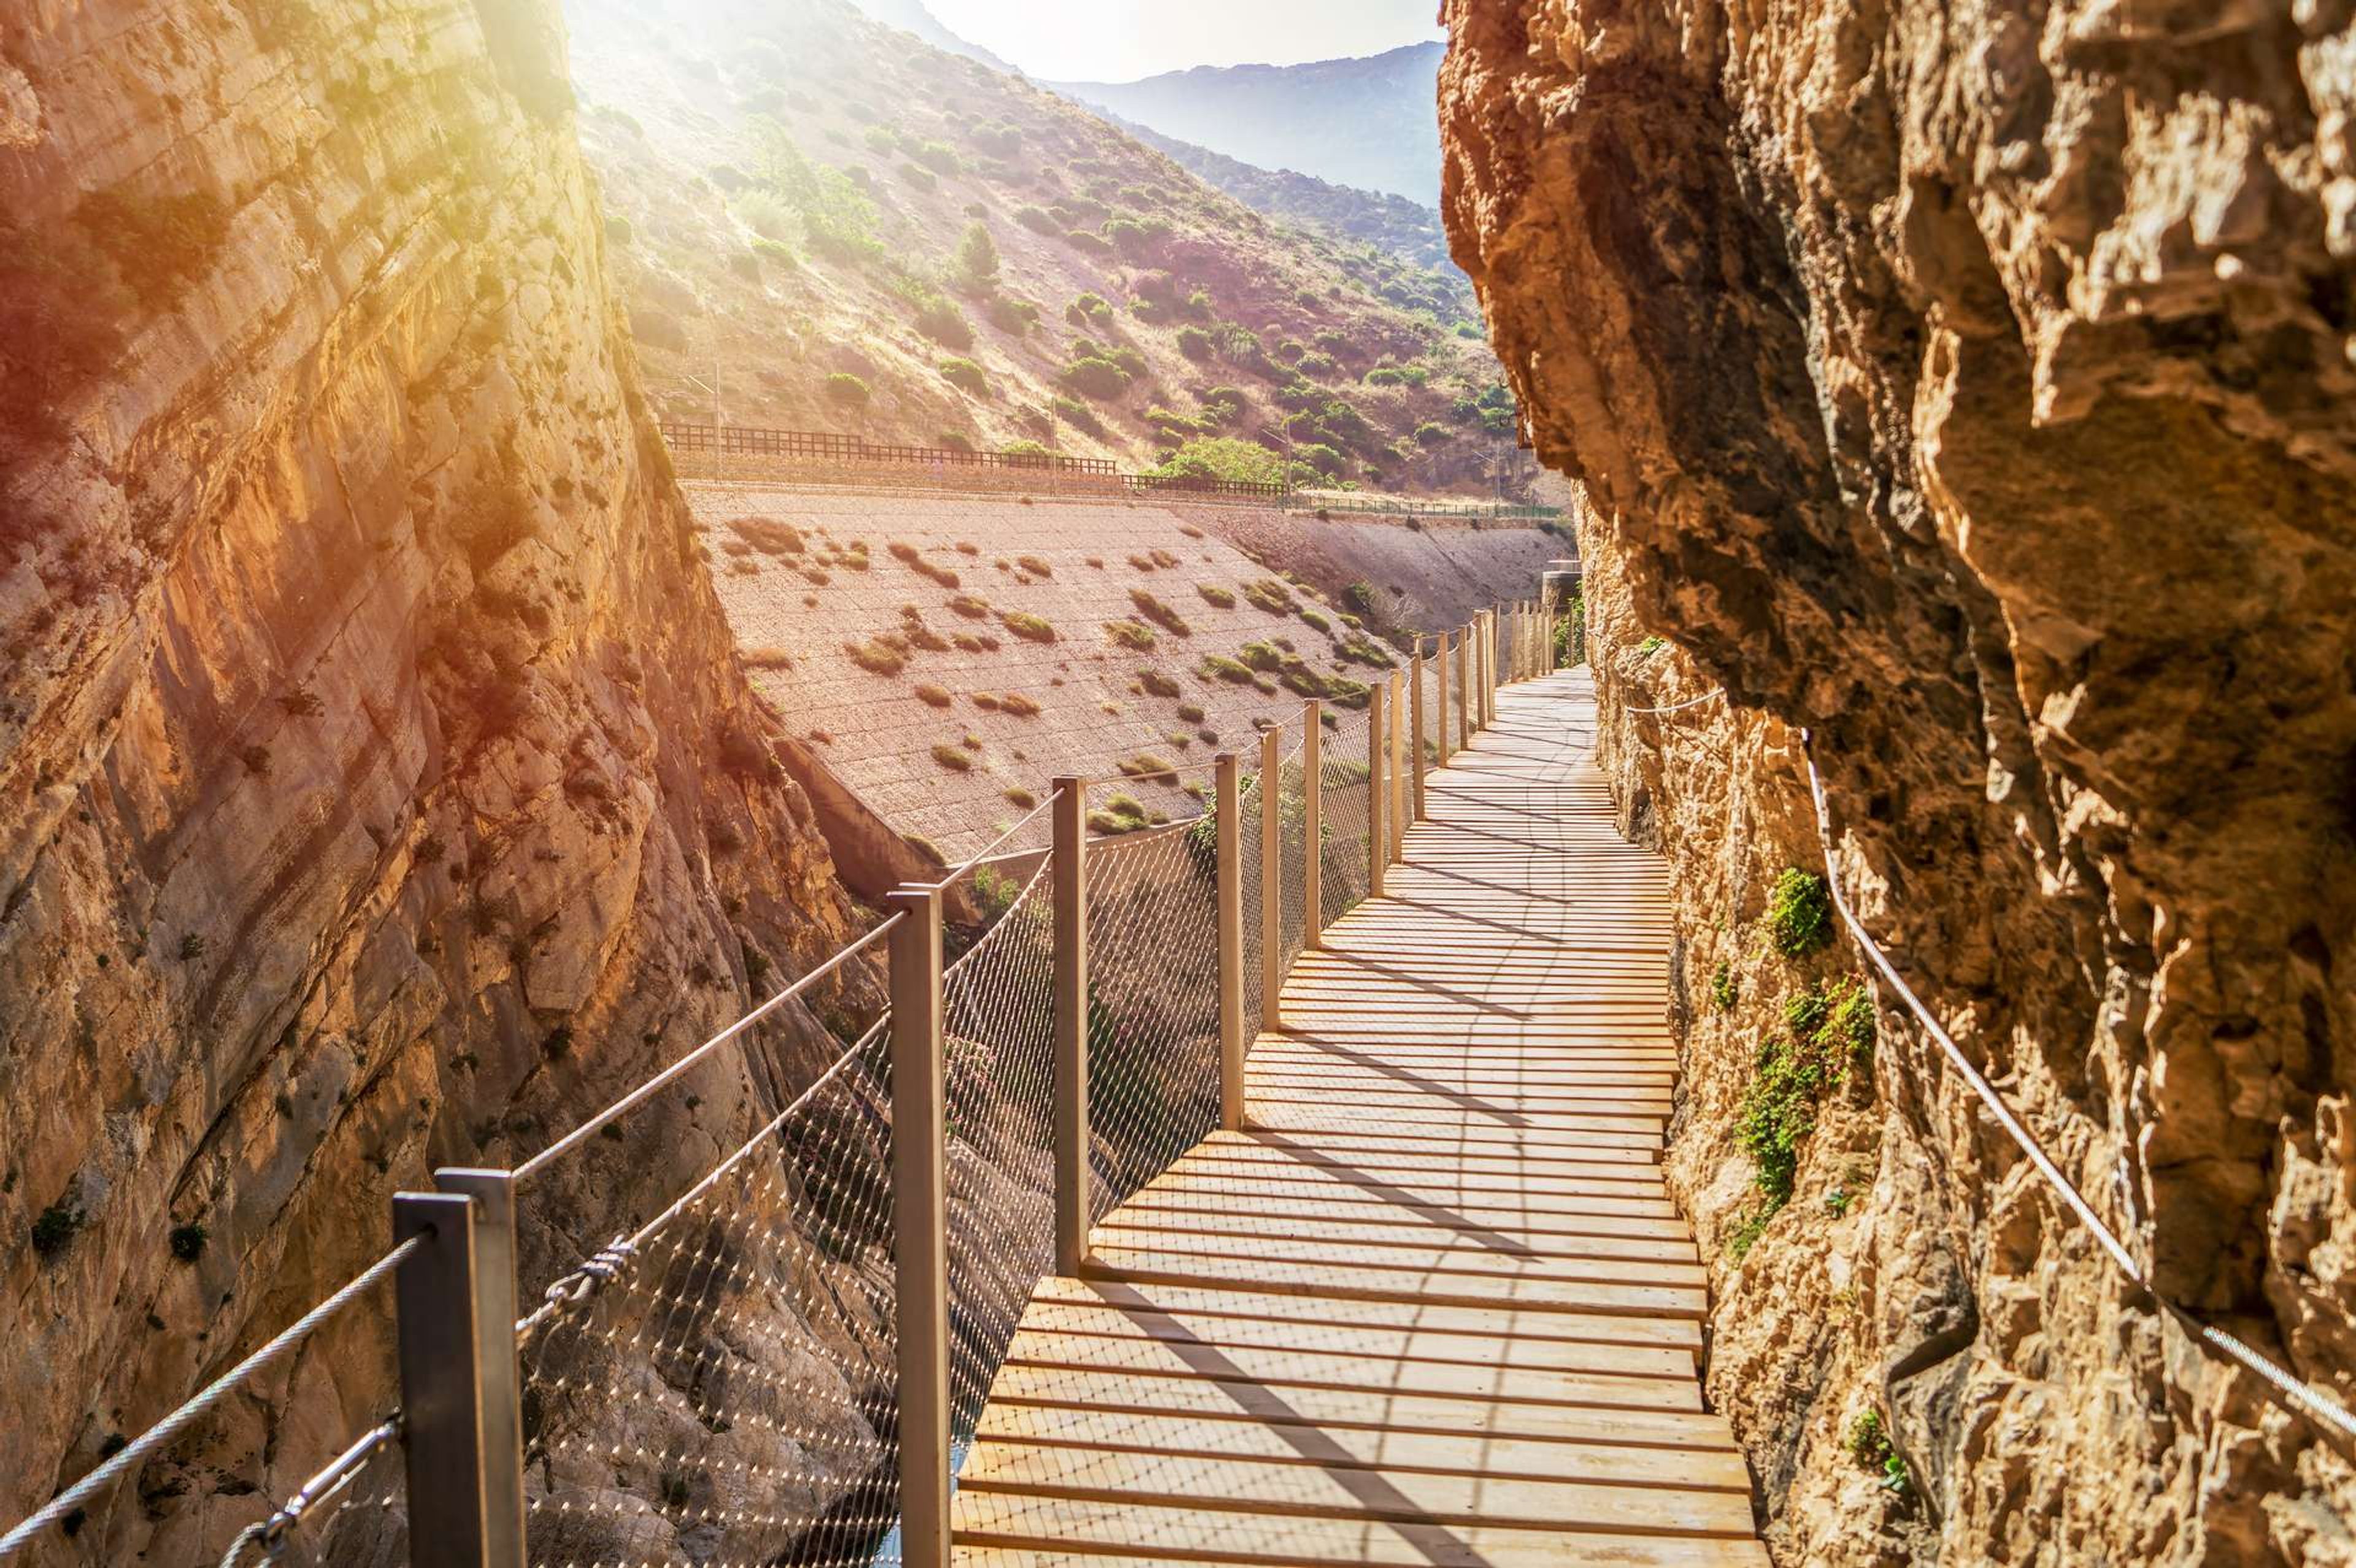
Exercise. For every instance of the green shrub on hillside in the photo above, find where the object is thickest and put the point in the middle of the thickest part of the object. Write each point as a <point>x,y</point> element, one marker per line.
<point>942,322</point>
<point>1010,315</point>
<point>848,389</point>
<point>1196,344</point>
<point>966,377</point>
<point>1078,415</point>
<point>977,259</point>
<point>1224,457</point>
<point>1098,378</point>
<point>1039,220</point>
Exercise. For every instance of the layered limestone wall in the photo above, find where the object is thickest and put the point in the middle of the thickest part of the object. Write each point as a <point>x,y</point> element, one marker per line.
<point>378,789</point>
<point>1971,387</point>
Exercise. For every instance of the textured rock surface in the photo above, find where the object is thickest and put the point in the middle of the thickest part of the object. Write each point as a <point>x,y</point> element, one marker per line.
<point>1972,385</point>
<point>378,786</point>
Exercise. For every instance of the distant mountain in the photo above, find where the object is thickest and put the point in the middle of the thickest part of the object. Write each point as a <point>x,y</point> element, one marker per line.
<point>1366,122</point>
<point>1407,229</point>
<point>913,17</point>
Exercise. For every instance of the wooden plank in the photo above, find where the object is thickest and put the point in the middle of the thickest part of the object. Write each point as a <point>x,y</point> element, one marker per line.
<point>1178,1226</point>
<point>1071,1530</point>
<point>1096,1388</point>
<point>1181,1434</point>
<point>1347,1491</point>
<point>1508,1326</point>
<point>1146,1355</point>
<point>1358,1277</point>
<point>1434,1251</point>
<point>1344,1203</point>
<point>1371,1341</point>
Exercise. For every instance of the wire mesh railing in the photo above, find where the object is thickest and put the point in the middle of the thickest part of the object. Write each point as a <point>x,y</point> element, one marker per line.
<point>1153,1037</point>
<point>777,1366</point>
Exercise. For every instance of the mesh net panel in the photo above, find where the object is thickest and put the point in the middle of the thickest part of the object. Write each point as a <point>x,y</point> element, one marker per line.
<point>1153,1004</point>
<point>1343,805</point>
<point>727,1395</point>
<point>1292,923</point>
<point>1249,842</point>
<point>998,1036</point>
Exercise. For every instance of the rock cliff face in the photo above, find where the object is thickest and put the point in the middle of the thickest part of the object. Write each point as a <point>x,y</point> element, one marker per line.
<point>378,786</point>
<point>1971,385</point>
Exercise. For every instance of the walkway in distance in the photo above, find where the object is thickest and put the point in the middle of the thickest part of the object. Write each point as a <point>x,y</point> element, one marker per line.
<point>1433,1306</point>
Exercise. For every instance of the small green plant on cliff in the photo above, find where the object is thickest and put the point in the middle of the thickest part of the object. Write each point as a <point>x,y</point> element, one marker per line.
<point>848,389</point>
<point>953,758</point>
<point>1869,1445</point>
<point>1799,913</point>
<point>55,1225</point>
<point>1213,595</point>
<point>1722,992</point>
<point>1650,647</point>
<point>1130,634</point>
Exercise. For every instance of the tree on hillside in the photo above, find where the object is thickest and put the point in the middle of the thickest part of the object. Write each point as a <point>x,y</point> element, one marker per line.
<point>977,259</point>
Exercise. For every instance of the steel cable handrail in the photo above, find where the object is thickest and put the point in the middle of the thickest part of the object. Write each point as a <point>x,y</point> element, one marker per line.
<point>136,1452</point>
<point>2301,1396</point>
<point>670,1074</point>
<point>576,1287</point>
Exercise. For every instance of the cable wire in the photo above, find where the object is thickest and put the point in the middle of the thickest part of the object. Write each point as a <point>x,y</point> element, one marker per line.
<point>2300,1396</point>
<point>670,1074</point>
<point>157,1436</point>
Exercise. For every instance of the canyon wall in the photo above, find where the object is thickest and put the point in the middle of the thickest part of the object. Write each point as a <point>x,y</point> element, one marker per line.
<point>1963,393</point>
<point>379,788</point>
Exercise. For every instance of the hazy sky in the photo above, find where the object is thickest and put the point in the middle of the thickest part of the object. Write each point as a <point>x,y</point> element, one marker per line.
<point>1119,40</point>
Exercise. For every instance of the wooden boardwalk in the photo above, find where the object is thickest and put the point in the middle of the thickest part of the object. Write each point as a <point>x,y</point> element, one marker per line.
<point>1434,1306</point>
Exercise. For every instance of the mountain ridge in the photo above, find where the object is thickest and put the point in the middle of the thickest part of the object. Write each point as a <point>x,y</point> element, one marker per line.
<point>1362,121</point>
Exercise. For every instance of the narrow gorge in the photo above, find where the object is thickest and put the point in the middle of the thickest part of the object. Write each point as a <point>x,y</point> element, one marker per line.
<point>1960,398</point>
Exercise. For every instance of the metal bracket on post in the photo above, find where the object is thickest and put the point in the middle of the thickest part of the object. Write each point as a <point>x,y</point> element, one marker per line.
<point>493,1192</point>
<point>1378,839</point>
<point>919,1220</point>
<point>1229,806</point>
<point>1272,879</point>
<point>1313,823</point>
<point>1415,683</point>
<point>1069,878</point>
<point>441,1382</point>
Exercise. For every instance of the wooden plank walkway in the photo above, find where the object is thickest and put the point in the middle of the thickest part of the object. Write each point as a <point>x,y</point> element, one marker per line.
<point>1434,1306</point>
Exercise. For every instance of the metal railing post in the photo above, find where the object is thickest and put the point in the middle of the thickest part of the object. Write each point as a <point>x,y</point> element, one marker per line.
<point>1070,881</point>
<point>919,1220</point>
<point>1312,823</point>
<point>1229,806</point>
<point>493,1192</point>
<point>1272,879</point>
<point>1414,684</point>
<point>441,1381</point>
<point>1379,841</point>
<point>1399,797</point>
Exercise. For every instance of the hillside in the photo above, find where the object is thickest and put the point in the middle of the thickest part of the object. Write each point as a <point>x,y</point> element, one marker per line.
<point>1410,231</point>
<point>1366,122</point>
<point>844,229</point>
<point>943,657</point>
